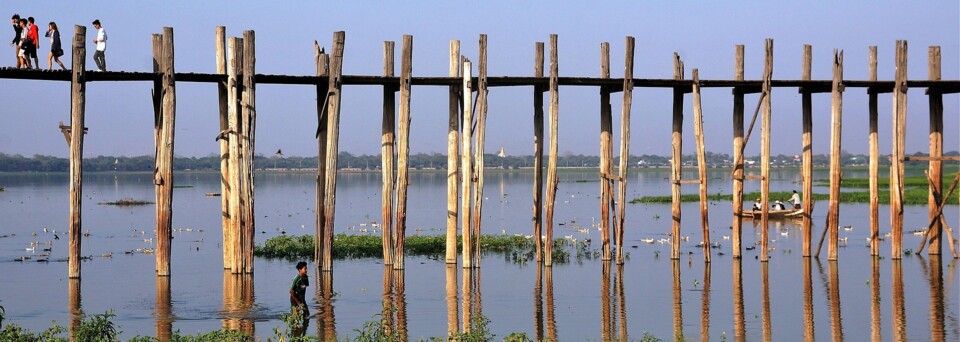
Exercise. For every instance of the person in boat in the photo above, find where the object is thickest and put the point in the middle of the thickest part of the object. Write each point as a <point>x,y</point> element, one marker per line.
<point>778,206</point>
<point>795,199</point>
<point>756,205</point>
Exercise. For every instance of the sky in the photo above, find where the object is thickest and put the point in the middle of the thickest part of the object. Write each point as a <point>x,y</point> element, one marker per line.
<point>119,115</point>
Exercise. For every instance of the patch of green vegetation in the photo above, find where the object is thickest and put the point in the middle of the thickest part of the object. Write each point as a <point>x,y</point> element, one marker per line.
<point>911,196</point>
<point>884,182</point>
<point>519,249</point>
<point>124,202</point>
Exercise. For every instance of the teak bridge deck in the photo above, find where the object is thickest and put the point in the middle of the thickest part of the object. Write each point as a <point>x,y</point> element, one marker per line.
<point>236,79</point>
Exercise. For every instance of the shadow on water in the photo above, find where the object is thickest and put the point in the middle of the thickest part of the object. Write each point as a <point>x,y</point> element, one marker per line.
<point>238,302</point>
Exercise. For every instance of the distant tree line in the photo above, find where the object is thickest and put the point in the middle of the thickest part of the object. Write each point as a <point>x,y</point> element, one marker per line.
<point>422,161</point>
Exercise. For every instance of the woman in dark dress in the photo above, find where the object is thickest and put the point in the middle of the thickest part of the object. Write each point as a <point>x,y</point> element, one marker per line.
<point>55,49</point>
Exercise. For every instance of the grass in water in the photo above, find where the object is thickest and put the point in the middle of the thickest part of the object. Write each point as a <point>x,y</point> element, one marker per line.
<point>911,196</point>
<point>519,249</point>
<point>123,202</point>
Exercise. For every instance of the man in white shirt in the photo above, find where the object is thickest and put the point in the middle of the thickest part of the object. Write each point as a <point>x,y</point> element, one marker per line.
<point>101,42</point>
<point>795,199</point>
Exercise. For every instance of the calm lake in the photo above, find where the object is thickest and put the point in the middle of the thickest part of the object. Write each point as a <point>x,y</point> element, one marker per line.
<point>789,298</point>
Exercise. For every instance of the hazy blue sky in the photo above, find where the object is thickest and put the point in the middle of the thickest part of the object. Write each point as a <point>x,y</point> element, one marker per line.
<point>119,115</point>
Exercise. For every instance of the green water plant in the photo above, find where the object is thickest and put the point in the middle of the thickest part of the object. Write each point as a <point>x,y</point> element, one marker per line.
<point>97,328</point>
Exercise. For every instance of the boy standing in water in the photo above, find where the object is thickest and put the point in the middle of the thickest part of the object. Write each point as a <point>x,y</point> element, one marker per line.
<point>298,291</point>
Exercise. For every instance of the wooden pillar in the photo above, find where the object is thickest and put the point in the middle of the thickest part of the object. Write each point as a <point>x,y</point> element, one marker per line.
<point>936,151</point>
<point>765,150</point>
<point>467,169</point>
<point>836,130</point>
<point>249,106</point>
<point>220,36</point>
<point>806,169</point>
<point>551,195</point>
<point>676,161</point>
<point>606,154</point>
<point>624,147</point>
<point>403,150</point>
<point>387,153</point>
<point>78,99</point>
<point>898,138</point>
<point>479,165</point>
<point>163,174</point>
<point>234,63</point>
<point>738,171</point>
<point>323,69</point>
<point>701,165</point>
<point>333,138</point>
<point>874,160</point>
<point>537,217</point>
<point>453,154</point>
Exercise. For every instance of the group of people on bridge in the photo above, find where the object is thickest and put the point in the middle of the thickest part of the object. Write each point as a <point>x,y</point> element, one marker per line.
<point>26,42</point>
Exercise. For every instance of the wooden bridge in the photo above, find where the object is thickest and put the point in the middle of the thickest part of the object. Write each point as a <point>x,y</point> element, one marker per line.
<point>236,79</point>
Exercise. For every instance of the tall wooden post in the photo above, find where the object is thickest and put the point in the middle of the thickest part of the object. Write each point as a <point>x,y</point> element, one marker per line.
<point>333,138</point>
<point>606,155</point>
<point>701,165</point>
<point>78,100</point>
<point>220,35</point>
<point>453,154</point>
<point>676,162</point>
<point>403,150</point>
<point>898,138</point>
<point>387,142</point>
<point>806,169</point>
<point>323,69</point>
<point>836,130</point>
<point>234,63</point>
<point>936,150</point>
<point>537,217</point>
<point>467,169</point>
<point>874,160</point>
<point>551,195</point>
<point>624,147</point>
<point>163,174</point>
<point>738,171</point>
<point>479,165</point>
<point>249,106</point>
<point>765,149</point>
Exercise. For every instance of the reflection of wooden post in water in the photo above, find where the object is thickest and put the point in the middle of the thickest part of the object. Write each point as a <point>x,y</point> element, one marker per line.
<point>808,327</point>
<point>238,299</point>
<point>677,303</point>
<point>453,317</point>
<point>162,311</point>
<point>765,273</point>
<point>386,315</point>
<point>76,312</point>
<point>400,304</point>
<point>875,301</point>
<point>936,299</point>
<point>548,297</point>
<point>538,304</point>
<point>705,305</point>
<point>896,288</point>
<point>606,327</point>
<point>836,325</point>
<point>739,326</point>
<point>621,301</point>
<point>327,330</point>
<point>467,294</point>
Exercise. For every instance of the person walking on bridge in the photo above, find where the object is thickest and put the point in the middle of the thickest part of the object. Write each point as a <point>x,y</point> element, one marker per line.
<point>101,42</point>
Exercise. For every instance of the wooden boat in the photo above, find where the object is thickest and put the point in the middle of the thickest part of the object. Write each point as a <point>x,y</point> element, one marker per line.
<point>774,214</point>
<point>212,194</point>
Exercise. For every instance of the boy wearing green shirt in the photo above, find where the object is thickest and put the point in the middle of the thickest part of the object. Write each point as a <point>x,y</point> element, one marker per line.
<point>298,291</point>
